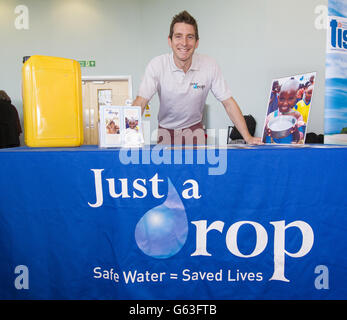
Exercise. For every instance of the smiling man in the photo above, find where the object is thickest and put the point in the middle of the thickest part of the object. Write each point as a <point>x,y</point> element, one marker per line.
<point>183,80</point>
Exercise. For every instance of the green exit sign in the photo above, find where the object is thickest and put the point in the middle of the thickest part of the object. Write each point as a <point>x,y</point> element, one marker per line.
<point>87,63</point>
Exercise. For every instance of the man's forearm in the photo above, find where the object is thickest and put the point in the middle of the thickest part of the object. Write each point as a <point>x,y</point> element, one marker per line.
<point>140,101</point>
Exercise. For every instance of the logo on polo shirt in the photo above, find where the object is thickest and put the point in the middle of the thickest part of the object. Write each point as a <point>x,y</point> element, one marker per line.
<point>196,85</point>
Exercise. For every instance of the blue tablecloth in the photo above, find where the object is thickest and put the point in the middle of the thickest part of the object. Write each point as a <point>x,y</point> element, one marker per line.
<point>87,223</point>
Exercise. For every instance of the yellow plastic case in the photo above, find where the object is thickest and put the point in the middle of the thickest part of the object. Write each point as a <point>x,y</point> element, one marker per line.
<point>52,102</point>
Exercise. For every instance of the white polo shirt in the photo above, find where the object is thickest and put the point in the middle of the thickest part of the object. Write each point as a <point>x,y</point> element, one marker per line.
<point>182,95</point>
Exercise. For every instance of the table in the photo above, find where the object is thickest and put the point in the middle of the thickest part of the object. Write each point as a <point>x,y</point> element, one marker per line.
<point>266,222</point>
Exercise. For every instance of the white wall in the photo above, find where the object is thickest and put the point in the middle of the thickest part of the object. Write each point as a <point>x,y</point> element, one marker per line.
<point>254,41</point>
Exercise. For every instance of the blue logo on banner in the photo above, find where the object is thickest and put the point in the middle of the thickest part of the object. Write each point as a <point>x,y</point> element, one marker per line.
<point>163,230</point>
<point>338,35</point>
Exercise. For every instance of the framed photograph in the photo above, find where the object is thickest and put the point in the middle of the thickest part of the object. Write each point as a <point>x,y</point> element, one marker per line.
<point>289,106</point>
<point>120,126</point>
<point>133,127</point>
<point>110,126</point>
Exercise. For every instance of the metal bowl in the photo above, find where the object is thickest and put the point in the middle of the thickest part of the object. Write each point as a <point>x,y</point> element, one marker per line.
<point>281,126</point>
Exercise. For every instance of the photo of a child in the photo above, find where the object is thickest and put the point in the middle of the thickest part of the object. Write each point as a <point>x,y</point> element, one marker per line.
<point>288,109</point>
<point>112,126</point>
<point>133,134</point>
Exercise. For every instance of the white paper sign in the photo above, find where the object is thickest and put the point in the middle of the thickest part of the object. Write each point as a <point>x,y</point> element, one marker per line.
<point>120,126</point>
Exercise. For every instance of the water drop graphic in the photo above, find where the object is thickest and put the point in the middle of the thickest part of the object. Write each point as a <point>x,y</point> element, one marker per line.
<point>163,230</point>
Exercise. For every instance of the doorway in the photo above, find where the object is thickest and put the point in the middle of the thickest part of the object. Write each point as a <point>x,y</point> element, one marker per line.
<point>102,90</point>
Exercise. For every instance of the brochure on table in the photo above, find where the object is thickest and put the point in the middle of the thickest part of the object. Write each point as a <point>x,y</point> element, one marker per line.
<point>120,126</point>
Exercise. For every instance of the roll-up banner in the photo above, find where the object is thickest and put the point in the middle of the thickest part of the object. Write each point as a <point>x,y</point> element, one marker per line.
<point>335,124</point>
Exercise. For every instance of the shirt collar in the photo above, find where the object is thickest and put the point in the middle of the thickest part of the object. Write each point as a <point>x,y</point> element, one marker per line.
<point>194,66</point>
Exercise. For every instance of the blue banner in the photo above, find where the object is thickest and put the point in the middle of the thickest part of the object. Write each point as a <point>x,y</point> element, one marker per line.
<point>252,223</point>
<point>335,122</point>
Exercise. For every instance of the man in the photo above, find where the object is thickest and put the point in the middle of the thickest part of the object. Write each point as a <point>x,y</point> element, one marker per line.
<point>183,80</point>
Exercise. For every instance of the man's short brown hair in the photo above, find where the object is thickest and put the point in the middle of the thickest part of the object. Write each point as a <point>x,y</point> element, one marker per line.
<point>184,17</point>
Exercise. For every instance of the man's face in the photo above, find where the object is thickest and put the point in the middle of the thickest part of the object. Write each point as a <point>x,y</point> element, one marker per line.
<point>286,100</point>
<point>183,42</point>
